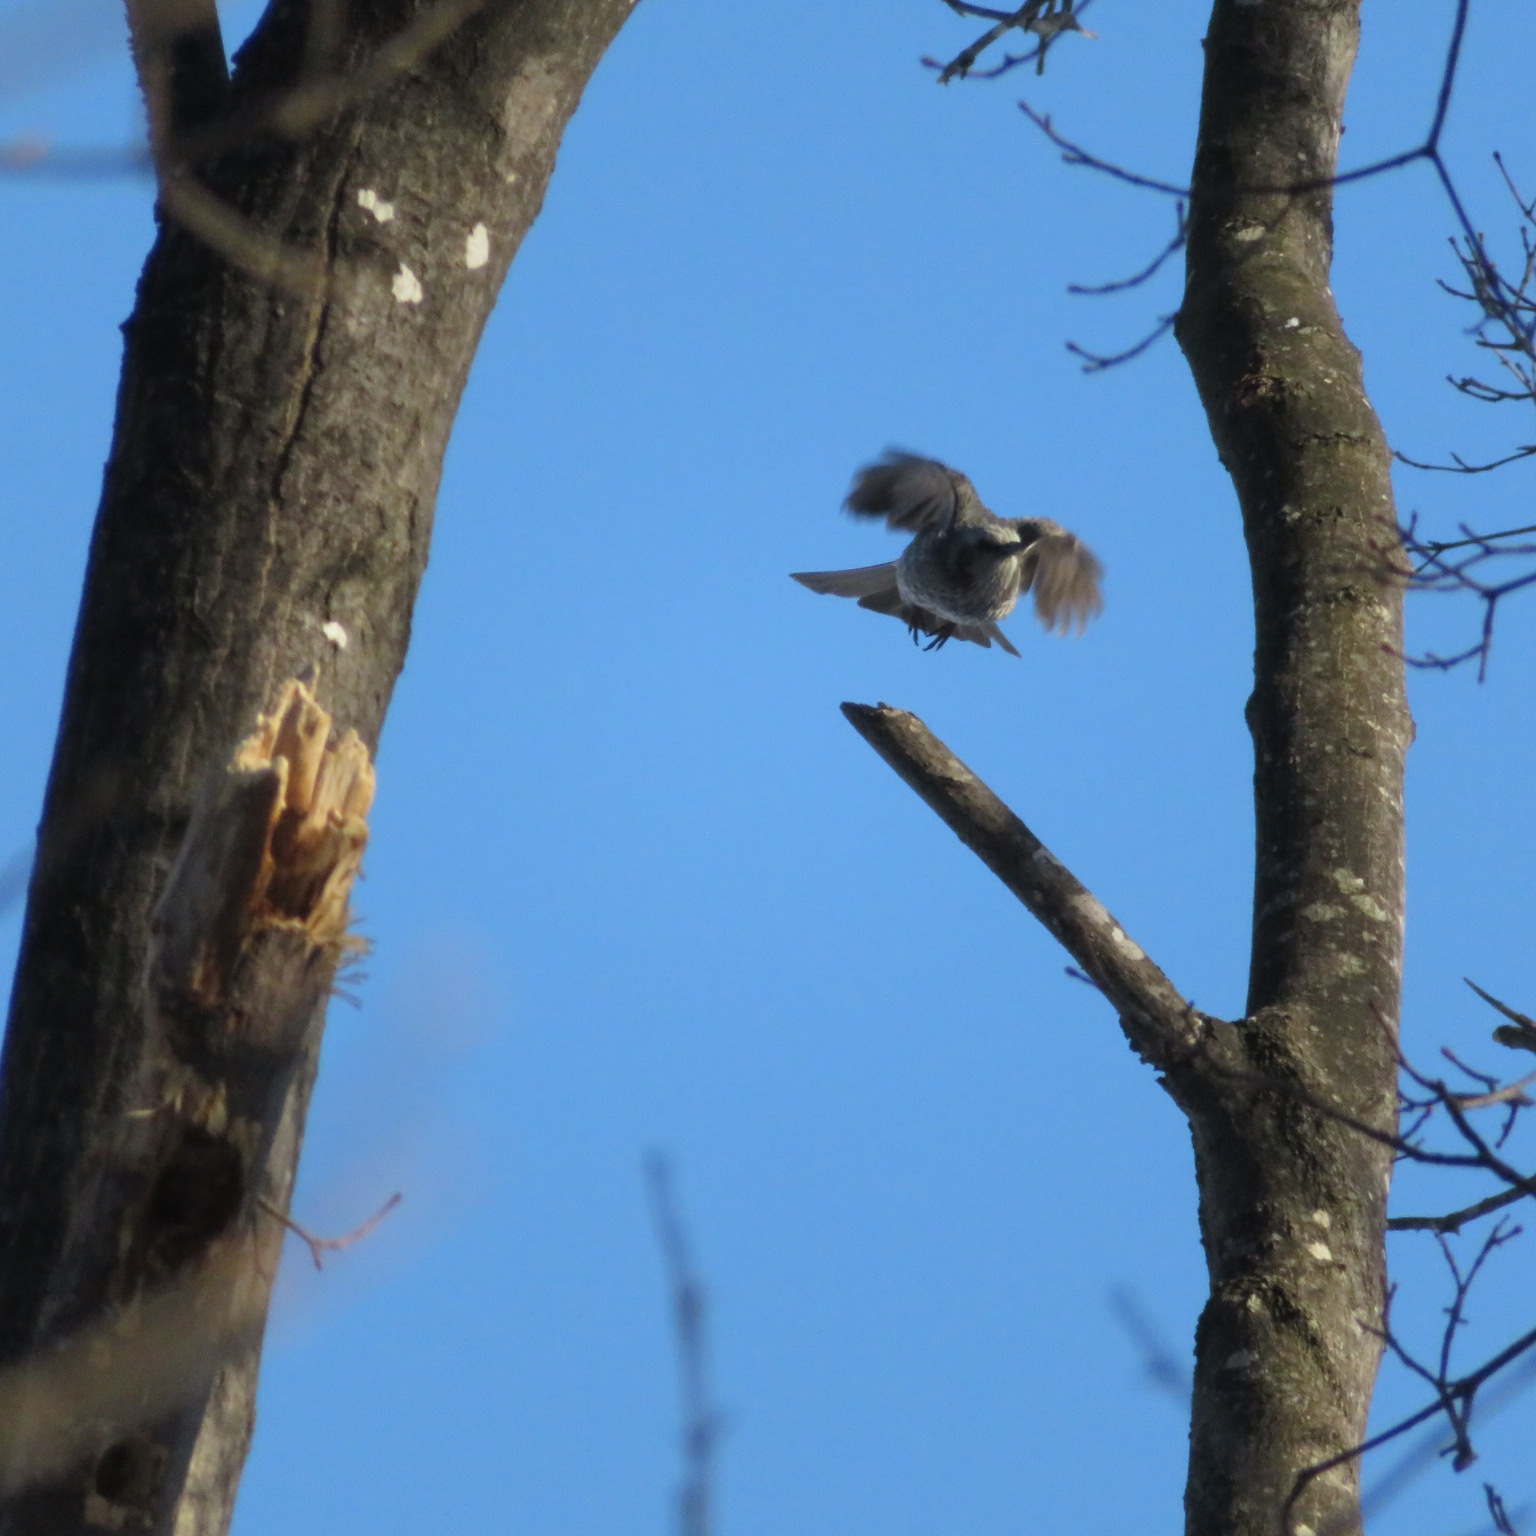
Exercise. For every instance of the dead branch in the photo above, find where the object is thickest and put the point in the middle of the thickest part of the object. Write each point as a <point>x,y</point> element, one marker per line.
<point>1162,1026</point>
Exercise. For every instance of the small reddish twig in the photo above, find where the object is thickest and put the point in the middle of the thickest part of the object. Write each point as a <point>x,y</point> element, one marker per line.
<point>320,1245</point>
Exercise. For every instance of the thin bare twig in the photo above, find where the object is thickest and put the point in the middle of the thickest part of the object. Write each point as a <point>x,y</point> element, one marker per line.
<point>1010,61</point>
<point>1075,154</point>
<point>38,157</point>
<point>1434,572</point>
<point>1458,1393</point>
<point>1456,1220</point>
<point>1153,267</point>
<point>1047,19</point>
<point>1510,1093</point>
<point>702,1421</point>
<point>1520,1033</point>
<point>1096,362</point>
<point>1509,305</point>
<point>1498,1513</point>
<point>319,1246</point>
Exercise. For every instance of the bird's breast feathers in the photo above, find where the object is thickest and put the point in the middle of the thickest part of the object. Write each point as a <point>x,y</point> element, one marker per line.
<point>960,578</point>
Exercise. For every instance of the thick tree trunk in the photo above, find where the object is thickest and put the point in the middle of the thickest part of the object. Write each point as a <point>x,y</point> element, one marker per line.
<point>1293,1204</point>
<point>284,408</point>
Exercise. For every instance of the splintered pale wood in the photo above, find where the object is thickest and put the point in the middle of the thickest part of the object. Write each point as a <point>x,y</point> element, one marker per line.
<point>277,840</point>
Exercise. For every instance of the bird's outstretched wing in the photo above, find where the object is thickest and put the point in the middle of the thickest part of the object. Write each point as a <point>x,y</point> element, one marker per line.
<point>876,589</point>
<point>1063,572</point>
<point>912,492</point>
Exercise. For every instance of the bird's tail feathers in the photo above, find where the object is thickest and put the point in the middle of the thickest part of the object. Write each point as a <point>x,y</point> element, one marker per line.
<point>997,637</point>
<point>864,581</point>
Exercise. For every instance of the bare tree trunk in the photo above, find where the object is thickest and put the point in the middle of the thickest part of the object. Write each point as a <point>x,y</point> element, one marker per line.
<point>286,398</point>
<point>1293,1207</point>
<point>1286,1105</point>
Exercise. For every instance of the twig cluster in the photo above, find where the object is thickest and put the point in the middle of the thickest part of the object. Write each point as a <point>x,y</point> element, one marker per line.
<point>1456,1401</point>
<point>1483,277</point>
<point>1046,19</point>
<point>1505,302</point>
<point>1460,566</point>
<point>1506,329</point>
<point>1426,1101</point>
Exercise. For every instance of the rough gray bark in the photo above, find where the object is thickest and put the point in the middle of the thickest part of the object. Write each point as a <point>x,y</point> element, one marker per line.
<point>1293,1208</point>
<point>1292,1195</point>
<point>285,402</point>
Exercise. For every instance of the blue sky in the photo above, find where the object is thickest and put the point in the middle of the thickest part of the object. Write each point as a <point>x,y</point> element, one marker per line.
<point>635,883</point>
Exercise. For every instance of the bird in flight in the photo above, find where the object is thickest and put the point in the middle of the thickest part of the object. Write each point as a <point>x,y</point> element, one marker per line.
<point>965,568</point>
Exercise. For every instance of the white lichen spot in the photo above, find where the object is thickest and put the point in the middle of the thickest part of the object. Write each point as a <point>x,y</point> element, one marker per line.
<point>381,210</point>
<point>1255,1303</point>
<point>1321,912</point>
<point>1372,908</point>
<point>1348,881</point>
<point>335,633</point>
<point>1321,1218</point>
<point>1348,965</point>
<point>1292,323</point>
<point>406,286</point>
<point>477,247</point>
<point>1125,944</point>
<point>1300,1530</point>
<point>1240,1360</point>
<point>1045,857</point>
<point>1321,1252</point>
<point>1249,231</point>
